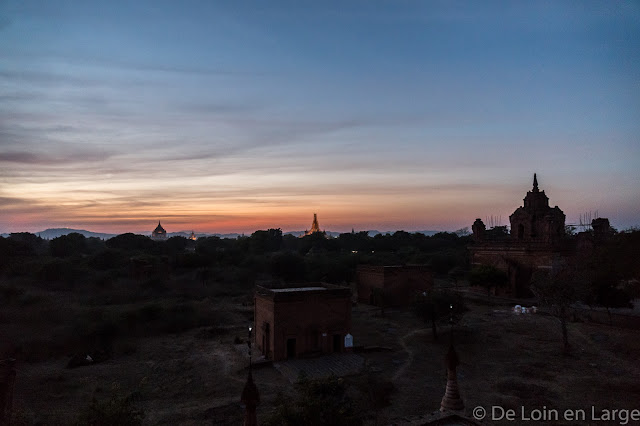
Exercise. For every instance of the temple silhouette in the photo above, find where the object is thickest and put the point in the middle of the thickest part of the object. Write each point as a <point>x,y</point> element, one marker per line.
<point>159,233</point>
<point>536,240</point>
<point>315,227</point>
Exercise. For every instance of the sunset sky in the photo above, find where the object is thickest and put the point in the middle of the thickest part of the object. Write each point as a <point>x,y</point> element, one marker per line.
<point>235,116</point>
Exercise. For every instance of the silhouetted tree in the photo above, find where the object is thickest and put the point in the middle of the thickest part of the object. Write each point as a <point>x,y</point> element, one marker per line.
<point>266,241</point>
<point>177,244</point>
<point>433,305</point>
<point>557,289</point>
<point>290,243</point>
<point>68,245</point>
<point>497,233</point>
<point>288,266</point>
<point>131,242</point>
<point>27,244</point>
<point>488,276</point>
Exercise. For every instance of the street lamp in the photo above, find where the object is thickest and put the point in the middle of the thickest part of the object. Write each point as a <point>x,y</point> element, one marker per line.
<point>249,344</point>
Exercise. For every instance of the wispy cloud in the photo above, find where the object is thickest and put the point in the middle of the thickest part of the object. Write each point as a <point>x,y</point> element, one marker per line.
<point>43,158</point>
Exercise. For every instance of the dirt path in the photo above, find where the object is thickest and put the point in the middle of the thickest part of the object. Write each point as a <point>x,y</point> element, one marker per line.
<point>402,341</point>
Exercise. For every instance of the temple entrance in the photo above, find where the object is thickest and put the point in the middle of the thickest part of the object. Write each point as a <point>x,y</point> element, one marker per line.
<point>523,280</point>
<point>337,343</point>
<point>291,348</point>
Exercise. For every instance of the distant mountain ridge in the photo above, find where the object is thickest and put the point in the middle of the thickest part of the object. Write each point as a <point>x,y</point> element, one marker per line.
<point>51,233</point>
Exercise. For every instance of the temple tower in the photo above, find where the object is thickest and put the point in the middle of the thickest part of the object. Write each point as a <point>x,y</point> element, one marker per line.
<point>159,233</point>
<point>536,221</point>
<point>251,399</point>
<point>451,401</point>
<point>315,227</point>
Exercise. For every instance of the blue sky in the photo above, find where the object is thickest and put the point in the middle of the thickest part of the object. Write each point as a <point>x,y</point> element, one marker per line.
<point>234,116</point>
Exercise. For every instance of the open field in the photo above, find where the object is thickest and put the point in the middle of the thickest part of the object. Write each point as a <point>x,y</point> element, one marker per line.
<point>196,376</point>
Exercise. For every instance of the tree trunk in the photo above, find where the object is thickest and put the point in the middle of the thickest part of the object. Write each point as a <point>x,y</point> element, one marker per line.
<point>565,335</point>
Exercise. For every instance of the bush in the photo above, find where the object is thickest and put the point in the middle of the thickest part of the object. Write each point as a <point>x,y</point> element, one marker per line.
<point>317,402</point>
<point>115,411</point>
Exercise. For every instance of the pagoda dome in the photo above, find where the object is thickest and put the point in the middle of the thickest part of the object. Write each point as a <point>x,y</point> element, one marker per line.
<point>159,232</point>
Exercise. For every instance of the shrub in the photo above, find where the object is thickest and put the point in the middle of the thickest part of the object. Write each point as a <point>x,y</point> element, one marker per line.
<point>117,410</point>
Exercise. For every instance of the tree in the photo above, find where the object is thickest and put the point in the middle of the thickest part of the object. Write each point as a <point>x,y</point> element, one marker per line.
<point>266,241</point>
<point>488,277</point>
<point>26,243</point>
<point>463,232</point>
<point>433,305</point>
<point>316,402</point>
<point>177,244</point>
<point>131,242</point>
<point>68,245</point>
<point>456,273</point>
<point>288,266</point>
<point>558,288</point>
<point>497,233</point>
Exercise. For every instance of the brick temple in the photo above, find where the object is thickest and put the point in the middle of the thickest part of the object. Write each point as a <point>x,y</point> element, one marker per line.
<point>536,239</point>
<point>399,285</point>
<point>302,321</point>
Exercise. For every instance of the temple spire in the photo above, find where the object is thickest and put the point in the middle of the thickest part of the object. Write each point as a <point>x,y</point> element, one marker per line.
<point>315,227</point>
<point>451,401</point>
<point>535,183</point>
<point>250,398</point>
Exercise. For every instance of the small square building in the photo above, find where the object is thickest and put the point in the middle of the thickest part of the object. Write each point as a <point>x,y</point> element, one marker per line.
<point>398,285</point>
<point>302,321</point>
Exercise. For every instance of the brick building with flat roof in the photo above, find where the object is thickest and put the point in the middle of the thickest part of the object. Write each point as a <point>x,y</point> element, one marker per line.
<point>301,321</point>
<point>399,285</point>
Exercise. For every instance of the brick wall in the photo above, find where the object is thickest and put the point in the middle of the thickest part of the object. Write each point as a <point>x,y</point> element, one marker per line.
<point>302,323</point>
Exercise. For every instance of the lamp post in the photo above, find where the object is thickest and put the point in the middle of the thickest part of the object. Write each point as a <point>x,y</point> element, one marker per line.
<point>451,322</point>
<point>250,395</point>
<point>249,344</point>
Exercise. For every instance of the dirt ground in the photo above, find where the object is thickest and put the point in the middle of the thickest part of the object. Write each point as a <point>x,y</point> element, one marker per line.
<point>506,360</point>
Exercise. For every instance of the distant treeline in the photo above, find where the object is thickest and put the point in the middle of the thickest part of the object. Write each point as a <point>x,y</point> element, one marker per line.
<point>71,260</point>
<point>265,255</point>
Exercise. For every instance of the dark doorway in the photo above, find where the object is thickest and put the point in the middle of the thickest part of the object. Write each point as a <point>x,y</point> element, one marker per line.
<point>520,231</point>
<point>291,348</point>
<point>523,280</point>
<point>337,344</point>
